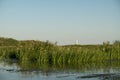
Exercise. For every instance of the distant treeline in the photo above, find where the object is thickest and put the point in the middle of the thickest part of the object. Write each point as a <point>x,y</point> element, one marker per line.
<point>52,54</point>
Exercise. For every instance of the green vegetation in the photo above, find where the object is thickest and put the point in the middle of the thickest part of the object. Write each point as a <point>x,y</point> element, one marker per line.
<point>31,51</point>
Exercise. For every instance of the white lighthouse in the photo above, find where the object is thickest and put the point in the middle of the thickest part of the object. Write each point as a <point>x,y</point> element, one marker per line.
<point>77,42</point>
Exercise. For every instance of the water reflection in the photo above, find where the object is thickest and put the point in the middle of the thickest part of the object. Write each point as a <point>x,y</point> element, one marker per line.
<point>83,71</point>
<point>106,67</point>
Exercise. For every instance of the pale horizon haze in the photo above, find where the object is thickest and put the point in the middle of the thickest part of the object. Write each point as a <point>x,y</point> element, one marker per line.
<point>62,21</point>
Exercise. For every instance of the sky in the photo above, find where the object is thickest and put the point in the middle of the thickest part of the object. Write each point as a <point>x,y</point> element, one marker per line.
<point>61,21</point>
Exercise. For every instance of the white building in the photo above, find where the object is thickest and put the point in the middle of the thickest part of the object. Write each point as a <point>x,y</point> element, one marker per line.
<point>77,41</point>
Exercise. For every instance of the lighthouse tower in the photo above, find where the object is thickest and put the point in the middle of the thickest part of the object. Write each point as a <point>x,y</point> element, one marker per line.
<point>77,42</point>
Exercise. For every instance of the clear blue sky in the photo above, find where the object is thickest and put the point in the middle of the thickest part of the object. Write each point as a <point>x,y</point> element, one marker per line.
<point>64,21</point>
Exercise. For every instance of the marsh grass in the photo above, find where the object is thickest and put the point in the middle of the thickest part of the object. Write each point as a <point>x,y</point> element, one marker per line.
<point>52,54</point>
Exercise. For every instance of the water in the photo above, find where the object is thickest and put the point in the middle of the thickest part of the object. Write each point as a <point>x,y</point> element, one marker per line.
<point>95,71</point>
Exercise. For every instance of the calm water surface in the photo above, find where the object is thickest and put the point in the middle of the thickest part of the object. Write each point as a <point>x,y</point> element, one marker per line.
<point>99,71</point>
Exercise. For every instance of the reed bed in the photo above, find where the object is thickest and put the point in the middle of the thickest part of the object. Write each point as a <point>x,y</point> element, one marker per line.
<point>52,54</point>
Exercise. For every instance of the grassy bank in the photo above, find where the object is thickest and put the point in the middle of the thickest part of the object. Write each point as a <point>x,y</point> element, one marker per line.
<point>47,53</point>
